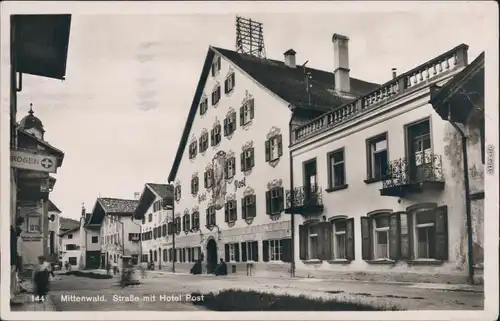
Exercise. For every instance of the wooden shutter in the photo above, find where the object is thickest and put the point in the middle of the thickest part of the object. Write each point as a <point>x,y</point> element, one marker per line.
<point>394,236</point>
<point>242,116</point>
<point>253,208</point>
<point>325,240</point>
<point>242,161</point>
<point>201,146</point>
<point>243,209</point>
<point>212,137</point>
<point>366,238</point>
<point>206,179</point>
<point>281,195</point>
<point>251,108</point>
<point>233,79</point>
<point>252,157</point>
<point>286,250</point>
<point>265,251</point>
<point>226,131</point>
<point>268,202</point>
<point>226,252</point>
<point>442,233</point>
<point>350,250</point>
<point>226,86</point>
<point>280,145</point>
<point>255,251</point>
<point>237,252</point>
<point>226,172</point>
<point>243,252</point>
<point>234,166</point>
<point>207,217</point>
<point>213,98</point>
<point>213,70</point>
<point>226,212</point>
<point>303,241</point>
<point>268,150</point>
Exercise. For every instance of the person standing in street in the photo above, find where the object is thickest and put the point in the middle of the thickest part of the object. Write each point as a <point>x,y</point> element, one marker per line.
<point>41,275</point>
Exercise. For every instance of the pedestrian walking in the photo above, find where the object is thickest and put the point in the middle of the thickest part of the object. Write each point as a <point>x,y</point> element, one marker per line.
<point>41,275</point>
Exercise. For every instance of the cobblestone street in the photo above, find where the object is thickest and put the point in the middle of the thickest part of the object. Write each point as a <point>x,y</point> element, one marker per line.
<point>406,296</point>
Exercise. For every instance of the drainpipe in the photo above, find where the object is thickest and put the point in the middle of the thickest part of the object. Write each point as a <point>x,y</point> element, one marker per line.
<point>292,219</point>
<point>467,198</point>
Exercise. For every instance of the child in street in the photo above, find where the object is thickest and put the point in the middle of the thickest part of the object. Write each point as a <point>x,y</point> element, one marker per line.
<point>41,275</point>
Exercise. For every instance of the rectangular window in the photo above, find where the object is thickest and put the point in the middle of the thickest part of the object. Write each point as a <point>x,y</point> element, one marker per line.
<point>71,247</point>
<point>186,222</point>
<point>150,217</point>
<point>250,251</point>
<point>275,250</point>
<point>178,225</point>
<point>425,228</point>
<point>195,219</point>
<point>336,169</point>
<point>230,212</point>
<point>209,178</point>
<point>313,243</point>
<point>381,236</point>
<point>232,252</point>
<point>248,207</point>
<point>274,148</point>
<point>215,135</point>
<point>275,200</point>
<point>230,124</point>
<point>247,159</point>
<point>377,157</point>
<point>73,261</point>
<point>95,239</point>
<point>420,152</point>
<point>216,65</point>
<point>193,149</point>
<point>229,83</point>
<point>34,224</point>
<point>203,142</point>
<point>194,185</point>
<point>339,240</point>
<point>211,216</point>
<point>203,106</point>
<point>230,168</point>
<point>70,236</point>
<point>177,192</point>
<point>246,112</point>
<point>216,96</point>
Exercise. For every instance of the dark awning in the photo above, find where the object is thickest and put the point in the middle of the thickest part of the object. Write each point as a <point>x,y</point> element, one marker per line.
<point>40,43</point>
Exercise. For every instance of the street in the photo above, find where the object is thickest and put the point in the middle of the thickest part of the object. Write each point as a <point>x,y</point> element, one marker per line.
<point>146,296</point>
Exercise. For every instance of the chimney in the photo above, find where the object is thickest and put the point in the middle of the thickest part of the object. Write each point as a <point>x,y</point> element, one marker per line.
<point>341,63</point>
<point>394,73</point>
<point>290,58</point>
<point>137,196</point>
<point>83,210</point>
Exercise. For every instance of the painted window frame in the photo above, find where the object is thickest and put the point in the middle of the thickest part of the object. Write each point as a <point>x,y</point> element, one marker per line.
<point>333,183</point>
<point>247,112</point>
<point>371,153</point>
<point>247,159</point>
<point>249,207</point>
<point>231,211</point>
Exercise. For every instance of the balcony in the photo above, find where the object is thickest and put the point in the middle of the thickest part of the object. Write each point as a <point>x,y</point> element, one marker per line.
<point>304,201</point>
<point>405,176</point>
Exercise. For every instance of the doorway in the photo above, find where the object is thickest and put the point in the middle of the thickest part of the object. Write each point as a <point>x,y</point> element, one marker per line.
<point>310,181</point>
<point>211,256</point>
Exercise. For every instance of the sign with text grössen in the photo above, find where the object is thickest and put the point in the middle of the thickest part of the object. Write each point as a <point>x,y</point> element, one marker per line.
<point>34,162</point>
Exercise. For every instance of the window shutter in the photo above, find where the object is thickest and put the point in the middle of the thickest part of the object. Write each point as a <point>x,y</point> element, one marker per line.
<point>226,132</point>
<point>325,240</point>
<point>226,212</point>
<point>213,70</point>
<point>268,202</point>
<point>251,109</point>
<point>268,150</point>
<point>207,217</point>
<point>442,233</point>
<point>242,116</point>
<point>350,251</point>
<point>212,137</point>
<point>206,179</point>
<point>242,158</point>
<point>252,157</point>
<point>286,250</point>
<point>226,170</point>
<point>213,98</point>
<point>234,166</point>
<point>280,145</point>
<point>226,89</point>
<point>243,251</point>
<point>411,252</point>
<point>281,194</point>
<point>303,242</point>
<point>243,209</point>
<point>265,251</point>
<point>218,63</point>
<point>233,79</point>
<point>201,146</point>
<point>366,239</point>
<point>226,252</point>
<point>255,251</point>
<point>394,236</point>
<point>237,252</point>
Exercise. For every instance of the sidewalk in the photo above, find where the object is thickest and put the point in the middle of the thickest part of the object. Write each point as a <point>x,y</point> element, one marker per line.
<point>24,301</point>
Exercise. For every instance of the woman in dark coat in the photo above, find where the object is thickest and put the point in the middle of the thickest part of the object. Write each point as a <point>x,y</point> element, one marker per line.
<point>41,279</point>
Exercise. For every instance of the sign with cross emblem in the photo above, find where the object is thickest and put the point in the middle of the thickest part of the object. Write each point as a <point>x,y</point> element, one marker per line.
<point>31,161</point>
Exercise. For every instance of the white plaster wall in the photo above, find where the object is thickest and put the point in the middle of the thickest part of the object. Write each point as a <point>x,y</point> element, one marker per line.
<point>159,218</point>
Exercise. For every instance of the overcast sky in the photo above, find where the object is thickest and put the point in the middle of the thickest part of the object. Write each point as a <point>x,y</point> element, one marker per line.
<point>130,81</point>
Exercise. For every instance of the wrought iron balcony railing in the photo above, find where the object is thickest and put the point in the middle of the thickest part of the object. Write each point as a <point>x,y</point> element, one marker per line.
<point>424,167</point>
<point>304,197</point>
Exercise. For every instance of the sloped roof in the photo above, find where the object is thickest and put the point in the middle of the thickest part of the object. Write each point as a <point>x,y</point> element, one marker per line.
<point>160,189</point>
<point>75,229</point>
<point>67,223</point>
<point>117,205</point>
<point>53,207</point>
<point>287,83</point>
